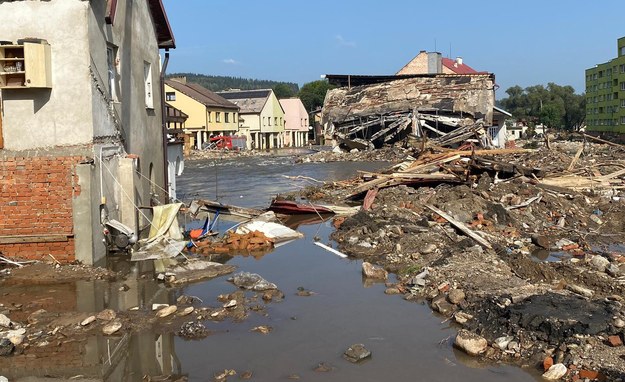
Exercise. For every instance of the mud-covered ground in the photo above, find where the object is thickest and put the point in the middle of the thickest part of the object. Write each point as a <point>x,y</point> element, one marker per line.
<point>529,311</point>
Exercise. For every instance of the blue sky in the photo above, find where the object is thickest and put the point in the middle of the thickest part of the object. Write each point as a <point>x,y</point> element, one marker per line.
<point>523,42</point>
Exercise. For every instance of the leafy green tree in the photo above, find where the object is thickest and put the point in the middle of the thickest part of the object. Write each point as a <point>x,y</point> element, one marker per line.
<point>554,105</point>
<point>313,94</point>
<point>283,90</point>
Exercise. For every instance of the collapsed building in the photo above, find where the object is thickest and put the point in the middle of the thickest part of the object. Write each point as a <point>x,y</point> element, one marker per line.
<point>367,111</point>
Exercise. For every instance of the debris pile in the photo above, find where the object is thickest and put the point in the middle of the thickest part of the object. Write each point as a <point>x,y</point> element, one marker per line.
<point>385,110</point>
<point>520,247</point>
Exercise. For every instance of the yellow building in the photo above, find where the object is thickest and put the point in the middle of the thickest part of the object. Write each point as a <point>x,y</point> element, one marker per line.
<point>208,113</point>
<point>262,117</point>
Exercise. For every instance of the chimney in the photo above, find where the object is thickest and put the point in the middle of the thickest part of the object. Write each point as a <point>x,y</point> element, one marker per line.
<point>458,61</point>
<point>182,80</point>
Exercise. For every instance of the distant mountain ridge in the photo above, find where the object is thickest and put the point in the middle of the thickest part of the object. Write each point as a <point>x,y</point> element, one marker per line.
<point>219,83</point>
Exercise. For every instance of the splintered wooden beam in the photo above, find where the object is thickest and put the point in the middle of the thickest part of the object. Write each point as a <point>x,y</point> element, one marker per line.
<point>480,240</point>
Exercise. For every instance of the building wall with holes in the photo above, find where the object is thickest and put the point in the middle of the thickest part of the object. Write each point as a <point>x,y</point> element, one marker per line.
<point>98,127</point>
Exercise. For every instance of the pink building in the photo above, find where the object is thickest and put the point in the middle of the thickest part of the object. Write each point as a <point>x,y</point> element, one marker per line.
<point>296,122</point>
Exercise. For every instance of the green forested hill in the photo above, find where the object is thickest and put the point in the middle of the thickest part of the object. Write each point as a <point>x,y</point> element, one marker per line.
<point>219,83</point>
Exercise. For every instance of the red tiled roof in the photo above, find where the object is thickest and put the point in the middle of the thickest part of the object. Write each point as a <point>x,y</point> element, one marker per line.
<point>458,69</point>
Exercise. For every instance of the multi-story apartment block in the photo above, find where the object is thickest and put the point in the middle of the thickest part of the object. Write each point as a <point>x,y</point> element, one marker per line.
<point>605,94</point>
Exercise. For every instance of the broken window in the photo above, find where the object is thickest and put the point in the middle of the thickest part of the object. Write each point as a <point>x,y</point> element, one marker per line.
<point>147,75</point>
<point>111,60</point>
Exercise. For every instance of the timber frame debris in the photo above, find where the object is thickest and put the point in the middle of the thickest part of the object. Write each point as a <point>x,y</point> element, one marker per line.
<point>386,109</point>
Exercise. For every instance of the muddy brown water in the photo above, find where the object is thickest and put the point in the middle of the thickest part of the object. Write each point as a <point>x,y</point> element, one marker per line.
<point>408,342</point>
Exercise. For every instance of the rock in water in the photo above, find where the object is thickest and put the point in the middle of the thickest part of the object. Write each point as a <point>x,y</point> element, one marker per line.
<point>555,372</point>
<point>5,321</point>
<point>6,347</point>
<point>186,311</point>
<point>16,336</point>
<point>87,321</point>
<point>166,311</point>
<point>471,343</point>
<point>111,327</point>
<point>371,271</point>
<point>356,353</point>
<point>252,281</point>
<point>193,330</point>
<point>106,315</point>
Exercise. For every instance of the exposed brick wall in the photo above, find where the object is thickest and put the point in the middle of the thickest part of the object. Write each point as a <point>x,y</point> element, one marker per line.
<point>36,195</point>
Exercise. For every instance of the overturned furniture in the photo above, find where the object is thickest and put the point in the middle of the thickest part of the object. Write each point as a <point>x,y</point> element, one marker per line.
<point>366,112</point>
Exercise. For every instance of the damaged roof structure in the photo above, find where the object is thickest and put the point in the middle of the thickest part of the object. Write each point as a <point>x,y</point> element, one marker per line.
<point>367,111</point>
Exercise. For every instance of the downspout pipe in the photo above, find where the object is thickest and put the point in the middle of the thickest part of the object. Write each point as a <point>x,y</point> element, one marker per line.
<point>164,126</point>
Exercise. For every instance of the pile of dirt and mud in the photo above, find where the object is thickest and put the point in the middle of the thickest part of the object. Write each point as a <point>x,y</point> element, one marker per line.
<point>526,310</point>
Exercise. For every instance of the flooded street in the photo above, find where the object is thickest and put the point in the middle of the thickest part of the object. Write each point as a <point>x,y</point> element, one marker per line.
<point>407,340</point>
<point>308,333</point>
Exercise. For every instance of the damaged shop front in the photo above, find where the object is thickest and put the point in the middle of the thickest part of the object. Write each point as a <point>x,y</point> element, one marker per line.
<point>366,112</point>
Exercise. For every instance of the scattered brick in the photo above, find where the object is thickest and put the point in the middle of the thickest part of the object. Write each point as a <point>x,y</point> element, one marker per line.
<point>547,363</point>
<point>615,341</point>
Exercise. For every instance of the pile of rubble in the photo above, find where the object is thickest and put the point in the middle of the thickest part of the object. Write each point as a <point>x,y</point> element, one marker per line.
<point>469,232</point>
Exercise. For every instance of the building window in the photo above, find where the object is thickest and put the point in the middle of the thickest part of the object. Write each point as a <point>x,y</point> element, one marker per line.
<point>170,96</point>
<point>226,117</point>
<point>147,76</point>
<point>623,103</point>
<point>622,85</point>
<point>111,60</point>
<point>218,117</point>
<point>264,121</point>
<point>234,117</point>
<point>269,121</point>
<point>280,121</point>
<point>209,116</point>
<point>275,120</point>
<point>623,51</point>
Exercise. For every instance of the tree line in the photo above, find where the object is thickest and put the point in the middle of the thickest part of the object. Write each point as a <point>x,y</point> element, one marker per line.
<point>221,83</point>
<point>554,106</point>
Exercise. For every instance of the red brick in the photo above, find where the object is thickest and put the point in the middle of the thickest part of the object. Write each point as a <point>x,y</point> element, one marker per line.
<point>547,363</point>
<point>590,374</point>
<point>615,341</point>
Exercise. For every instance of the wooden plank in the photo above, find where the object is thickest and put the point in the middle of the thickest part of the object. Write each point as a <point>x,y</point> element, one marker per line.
<point>480,240</point>
<point>575,158</point>
<point>603,141</point>
<point>424,124</point>
<point>211,206</point>
<point>17,239</point>
<point>490,152</point>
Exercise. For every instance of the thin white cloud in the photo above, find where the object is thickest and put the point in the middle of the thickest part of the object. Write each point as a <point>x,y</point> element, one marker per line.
<point>230,61</point>
<point>342,42</point>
